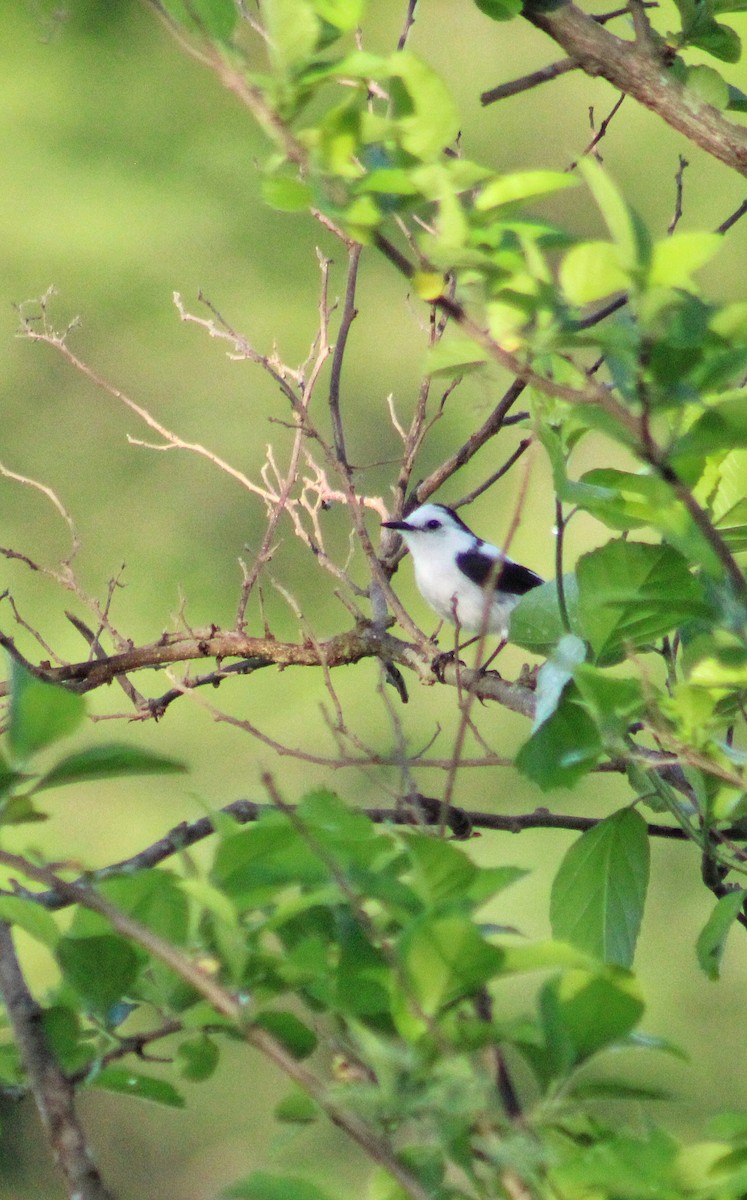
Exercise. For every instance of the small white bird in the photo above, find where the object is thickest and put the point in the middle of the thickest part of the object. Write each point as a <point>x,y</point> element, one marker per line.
<point>459,574</point>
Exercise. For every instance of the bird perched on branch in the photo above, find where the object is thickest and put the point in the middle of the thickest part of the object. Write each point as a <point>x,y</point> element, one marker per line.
<point>464,579</point>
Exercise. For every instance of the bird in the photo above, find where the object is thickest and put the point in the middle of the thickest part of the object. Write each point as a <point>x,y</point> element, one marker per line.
<point>456,571</point>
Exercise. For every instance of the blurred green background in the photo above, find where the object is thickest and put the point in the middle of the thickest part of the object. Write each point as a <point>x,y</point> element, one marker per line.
<point>128,174</point>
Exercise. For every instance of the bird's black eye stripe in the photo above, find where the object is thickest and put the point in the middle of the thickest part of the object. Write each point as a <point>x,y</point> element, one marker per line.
<point>433,524</point>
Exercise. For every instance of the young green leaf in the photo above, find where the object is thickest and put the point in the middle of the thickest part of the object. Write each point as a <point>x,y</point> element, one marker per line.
<point>260,1185</point>
<point>522,185</point>
<point>422,106</point>
<point>711,941</point>
<point>105,762</point>
<point>592,270</point>
<point>599,891</point>
<point>198,1058</point>
<point>30,917</point>
<point>213,18</point>
<point>445,958</point>
<point>40,713</point>
<point>143,1087</point>
<point>626,229</point>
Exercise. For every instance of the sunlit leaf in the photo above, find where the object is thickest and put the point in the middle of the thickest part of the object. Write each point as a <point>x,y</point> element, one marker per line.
<point>30,917</point>
<point>522,185</point>
<point>676,258</point>
<point>591,271</point>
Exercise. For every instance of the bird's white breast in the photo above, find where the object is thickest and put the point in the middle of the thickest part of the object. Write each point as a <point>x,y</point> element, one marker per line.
<point>451,594</point>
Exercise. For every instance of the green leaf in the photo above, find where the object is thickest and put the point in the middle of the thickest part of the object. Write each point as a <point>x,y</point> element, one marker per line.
<point>721,41</point>
<point>737,99</point>
<point>564,748</point>
<point>286,194</point>
<point>536,624</point>
<point>631,593</point>
<point>30,917</point>
<point>440,871</point>
<point>445,958</point>
<point>422,108</point>
<point>613,702</point>
<point>627,232</point>
<point>594,1009</point>
<point>591,271</point>
<point>40,713</point>
<point>293,32</point>
<point>260,1185</point>
<point>499,10</point>
<point>599,891</point>
<point>712,938</point>
<point>105,762</point>
<point>722,427</point>
<point>709,86</point>
<point>675,258</point>
<point>626,1167</point>
<point>297,1109</point>
<point>521,185</point>
<point>344,15</point>
<point>297,1038</point>
<point>143,1087</point>
<point>62,1027</point>
<point>101,969</point>
<point>198,1058</point>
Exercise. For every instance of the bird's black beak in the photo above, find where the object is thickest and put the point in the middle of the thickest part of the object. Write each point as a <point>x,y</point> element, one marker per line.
<point>396,525</point>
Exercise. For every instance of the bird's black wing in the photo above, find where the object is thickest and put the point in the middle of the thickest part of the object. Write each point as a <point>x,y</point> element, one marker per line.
<point>509,576</point>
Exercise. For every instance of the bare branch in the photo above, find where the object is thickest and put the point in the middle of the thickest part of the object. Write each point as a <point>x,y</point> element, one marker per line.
<point>525,82</point>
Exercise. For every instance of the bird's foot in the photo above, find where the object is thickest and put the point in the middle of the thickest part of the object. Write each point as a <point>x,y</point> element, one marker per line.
<point>441,661</point>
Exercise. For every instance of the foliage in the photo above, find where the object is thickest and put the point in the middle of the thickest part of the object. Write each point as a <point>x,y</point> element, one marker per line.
<point>353,948</point>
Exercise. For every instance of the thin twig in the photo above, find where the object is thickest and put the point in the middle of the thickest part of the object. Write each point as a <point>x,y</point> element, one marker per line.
<point>679,189</point>
<point>523,84</point>
<point>349,313</point>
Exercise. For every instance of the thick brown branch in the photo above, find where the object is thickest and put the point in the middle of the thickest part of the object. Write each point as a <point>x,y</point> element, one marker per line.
<point>643,76</point>
<point>366,641</point>
<point>53,1093</point>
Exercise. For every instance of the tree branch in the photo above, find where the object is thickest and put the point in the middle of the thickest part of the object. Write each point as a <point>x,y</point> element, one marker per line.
<point>231,1006</point>
<point>52,1092</point>
<point>644,76</point>
<point>417,810</point>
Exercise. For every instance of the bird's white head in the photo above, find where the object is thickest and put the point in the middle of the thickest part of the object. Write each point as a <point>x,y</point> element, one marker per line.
<point>434,529</point>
